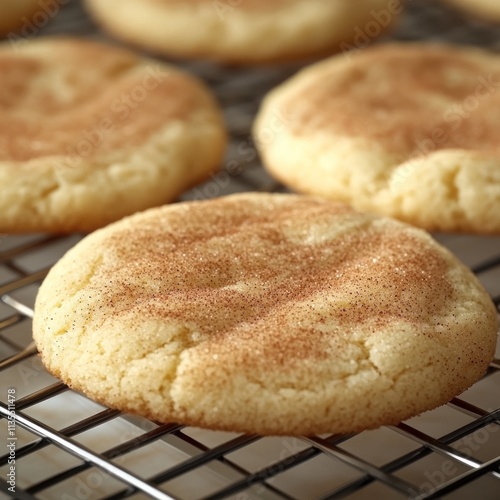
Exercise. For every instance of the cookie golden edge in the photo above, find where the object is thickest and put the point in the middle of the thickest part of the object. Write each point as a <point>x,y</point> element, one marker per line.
<point>53,194</point>
<point>298,30</point>
<point>365,400</point>
<point>446,190</point>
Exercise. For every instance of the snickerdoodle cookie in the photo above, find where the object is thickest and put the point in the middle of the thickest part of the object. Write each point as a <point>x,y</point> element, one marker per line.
<point>405,130</point>
<point>14,14</point>
<point>246,31</point>
<point>275,314</point>
<point>90,133</point>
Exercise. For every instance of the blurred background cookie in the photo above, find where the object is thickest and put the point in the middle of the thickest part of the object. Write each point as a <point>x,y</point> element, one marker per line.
<point>261,313</point>
<point>406,130</point>
<point>90,133</point>
<point>489,10</point>
<point>14,14</point>
<point>246,31</point>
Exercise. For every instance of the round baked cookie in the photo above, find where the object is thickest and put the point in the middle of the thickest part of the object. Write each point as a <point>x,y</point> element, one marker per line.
<point>90,133</point>
<point>246,31</point>
<point>486,9</point>
<point>405,130</point>
<point>16,13</point>
<point>261,313</point>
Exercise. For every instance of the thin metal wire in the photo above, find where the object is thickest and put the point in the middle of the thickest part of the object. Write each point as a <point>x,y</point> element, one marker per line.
<point>78,428</point>
<point>11,321</point>
<point>413,456</point>
<point>195,462</point>
<point>461,480</point>
<point>41,395</point>
<point>30,279</point>
<point>438,447</point>
<point>471,410</point>
<point>8,255</point>
<point>4,324</point>
<point>362,465</point>
<point>495,364</point>
<point>28,351</point>
<point>84,453</point>
<point>18,306</point>
<point>112,453</point>
<point>20,494</point>
<point>274,469</point>
<point>487,265</point>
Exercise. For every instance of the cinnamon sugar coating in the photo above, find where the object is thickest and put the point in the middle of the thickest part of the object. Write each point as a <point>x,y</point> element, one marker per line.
<point>407,130</point>
<point>90,133</point>
<point>275,314</point>
<point>46,104</point>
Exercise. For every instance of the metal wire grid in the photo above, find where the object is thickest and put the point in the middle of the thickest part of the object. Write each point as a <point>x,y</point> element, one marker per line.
<point>445,452</point>
<point>41,434</point>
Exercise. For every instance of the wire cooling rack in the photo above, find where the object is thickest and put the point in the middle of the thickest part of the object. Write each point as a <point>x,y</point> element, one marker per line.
<point>68,447</point>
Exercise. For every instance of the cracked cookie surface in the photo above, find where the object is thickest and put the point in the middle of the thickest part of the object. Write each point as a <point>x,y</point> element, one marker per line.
<point>404,130</point>
<point>90,133</point>
<point>273,314</point>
